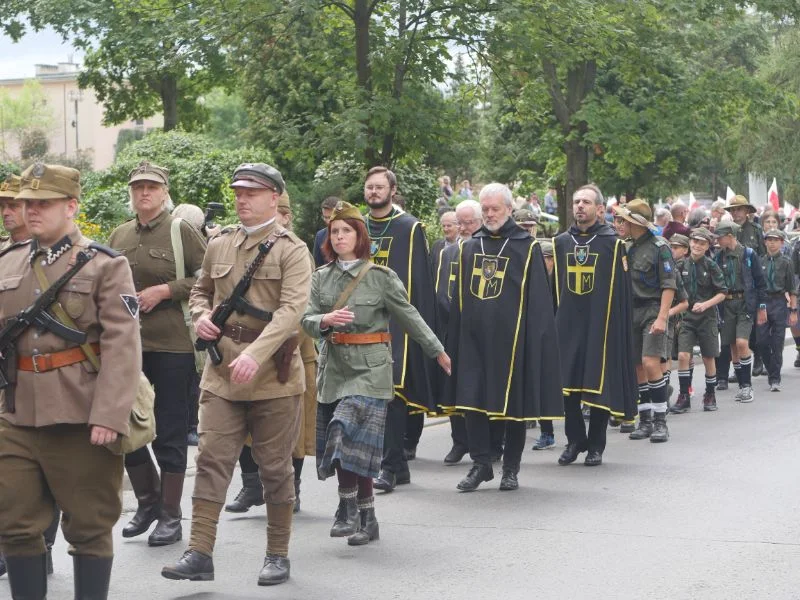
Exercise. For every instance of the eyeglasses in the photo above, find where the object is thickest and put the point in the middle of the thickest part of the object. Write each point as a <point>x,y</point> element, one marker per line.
<point>377,188</point>
<point>467,222</point>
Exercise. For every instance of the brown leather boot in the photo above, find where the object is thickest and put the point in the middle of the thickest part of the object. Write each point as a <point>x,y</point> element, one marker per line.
<point>169,530</point>
<point>146,486</point>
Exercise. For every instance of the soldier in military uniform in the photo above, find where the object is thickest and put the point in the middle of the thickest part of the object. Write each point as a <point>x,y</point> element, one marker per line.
<point>65,404</point>
<point>527,220</point>
<point>654,284</point>
<point>243,394</point>
<point>11,208</point>
<point>781,284</point>
<point>746,296</point>
<point>706,289</point>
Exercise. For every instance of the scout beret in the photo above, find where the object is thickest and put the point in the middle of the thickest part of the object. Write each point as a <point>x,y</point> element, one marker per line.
<point>9,189</point>
<point>727,228</point>
<point>775,233</point>
<point>740,200</point>
<point>637,212</point>
<point>345,210</point>
<point>258,175</point>
<point>679,240</point>
<point>48,182</point>
<point>149,172</point>
<point>523,216</point>
<point>283,201</point>
<point>547,247</point>
<point>700,233</point>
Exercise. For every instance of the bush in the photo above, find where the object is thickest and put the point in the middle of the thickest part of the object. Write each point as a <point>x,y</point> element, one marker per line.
<point>34,144</point>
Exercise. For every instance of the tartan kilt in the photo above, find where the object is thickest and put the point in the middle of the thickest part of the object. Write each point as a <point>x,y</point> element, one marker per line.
<point>350,433</point>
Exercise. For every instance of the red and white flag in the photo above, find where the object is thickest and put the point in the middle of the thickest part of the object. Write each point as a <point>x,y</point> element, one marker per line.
<point>729,195</point>
<point>693,203</point>
<point>772,194</point>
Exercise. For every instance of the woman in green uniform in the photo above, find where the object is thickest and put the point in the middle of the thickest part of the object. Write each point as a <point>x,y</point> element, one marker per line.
<point>350,305</point>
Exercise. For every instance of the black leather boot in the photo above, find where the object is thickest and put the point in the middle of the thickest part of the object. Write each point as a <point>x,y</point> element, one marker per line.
<point>509,480</point>
<point>346,521</point>
<point>368,529</point>
<point>478,473</point>
<point>385,481</point>
<point>92,577</point>
<point>50,538</point>
<point>27,576</point>
<point>455,455</point>
<point>276,570</point>
<point>146,486</point>
<point>193,566</point>
<point>2,566</point>
<point>645,428</point>
<point>571,452</point>
<point>251,494</point>
<point>660,429</point>
<point>169,529</point>
<point>296,508</point>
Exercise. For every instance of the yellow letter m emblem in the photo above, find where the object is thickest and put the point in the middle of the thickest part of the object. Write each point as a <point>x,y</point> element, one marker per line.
<point>488,274</point>
<point>580,270</point>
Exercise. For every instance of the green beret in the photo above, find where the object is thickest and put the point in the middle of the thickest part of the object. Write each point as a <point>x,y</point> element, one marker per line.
<point>345,210</point>
<point>726,228</point>
<point>775,233</point>
<point>679,240</point>
<point>701,233</point>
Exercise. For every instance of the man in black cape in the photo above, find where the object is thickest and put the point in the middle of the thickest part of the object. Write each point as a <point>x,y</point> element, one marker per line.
<point>502,339</point>
<point>397,241</point>
<point>594,321</point>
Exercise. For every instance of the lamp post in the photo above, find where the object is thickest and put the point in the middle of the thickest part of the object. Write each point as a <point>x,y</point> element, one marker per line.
<point>75,96</point>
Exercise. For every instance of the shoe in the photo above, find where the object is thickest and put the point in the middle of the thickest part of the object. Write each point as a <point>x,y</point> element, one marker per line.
<point>192,439</point>
<point>682,404</point>
<point>296,508</point>
<point>746,394</point>
<point>368,529</point>
<point>27,576</point>
<point>92,577</point>
<point>758,366</point>
<point>709,402</point>
<point>660,430</point>
<point>403,478</point>
<point>627,427</point>
<point>455,455</point>
<point>509,481</point>
<point>733,379</point>
<point>2,566</point>
<point>571,452</point>
<point>722,385</point>
<point>251,494</point>
<point>193,566</point>
<point>276,570</point>
<point>478,473</point>
<point>774,387</point>
<point>545,441</point>
<point>614,422</point>
<point>594,458</point>
<point>645,428</point>
<point>346,522</point>
<point>169,529</point>
<point>147,488</point>
<point>385,481</point>
<point>409,454</point>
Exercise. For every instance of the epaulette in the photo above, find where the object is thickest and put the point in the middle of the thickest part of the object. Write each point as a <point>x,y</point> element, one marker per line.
<point>325,266</point>
<point>757,226</point>
<point>660,241</point>
<point>14,246</point>
<point>386,270</point>
<point>104,249</point>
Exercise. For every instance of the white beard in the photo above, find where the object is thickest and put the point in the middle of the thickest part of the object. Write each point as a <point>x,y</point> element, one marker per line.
<point>498,228</point>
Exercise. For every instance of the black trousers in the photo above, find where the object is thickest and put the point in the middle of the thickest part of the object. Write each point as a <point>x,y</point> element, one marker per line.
<point>194,400</point>
<point>394,437</point>
<point>479,435</point>
<point>576,427</point>
<point>414,426</point>
<point>458,431</point>
<point>723,362</point>
<point>771,336</point>
<point>171,375</point>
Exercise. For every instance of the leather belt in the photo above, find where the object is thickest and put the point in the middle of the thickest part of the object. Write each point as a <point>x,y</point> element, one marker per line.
<point>338,337</point>
<point>41,363</point>
<point>241,334</point>
<point>735,296</point>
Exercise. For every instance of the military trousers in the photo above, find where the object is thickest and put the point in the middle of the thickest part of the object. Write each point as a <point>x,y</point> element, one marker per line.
<point>274,425</point>
<point>57,465</point>
<point>771,337</point>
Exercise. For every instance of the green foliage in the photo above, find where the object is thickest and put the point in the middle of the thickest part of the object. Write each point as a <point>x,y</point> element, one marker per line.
<point>227,122</point>
<point>26,116</point>
<point>34,144</point>
<point>9,168</point>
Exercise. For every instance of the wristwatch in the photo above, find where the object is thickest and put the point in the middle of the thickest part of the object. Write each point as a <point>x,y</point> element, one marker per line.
<point>762,307</point>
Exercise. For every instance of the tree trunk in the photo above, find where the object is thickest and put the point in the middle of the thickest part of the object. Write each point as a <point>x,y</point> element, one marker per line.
<point>577,175</point>
<point>361,16</point>
<point>169,101</point>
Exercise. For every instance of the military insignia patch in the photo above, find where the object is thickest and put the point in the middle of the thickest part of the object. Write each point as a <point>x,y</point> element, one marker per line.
<point>38,170</point>
<point>580,270</point>
<point>581,254</point>
<point>667,267</point>
<point>489,268</point>
<point>488,274</point>
<point>131,303</point>
<point>379,250</point>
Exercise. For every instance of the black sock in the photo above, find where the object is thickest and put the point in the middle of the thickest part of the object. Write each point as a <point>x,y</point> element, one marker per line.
<point>737,370</point>
<point>745,371</point>
<point>644,393</point>
<point>685,381</point>
<point>711,383</point>
<point>658,396</point>
<point>297,463</point>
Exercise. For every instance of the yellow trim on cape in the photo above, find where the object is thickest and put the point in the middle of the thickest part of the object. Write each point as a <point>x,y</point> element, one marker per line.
<point>493,416</point>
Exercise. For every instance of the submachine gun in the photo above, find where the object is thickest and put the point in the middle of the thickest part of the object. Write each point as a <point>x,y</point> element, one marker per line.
<point>36,315</point>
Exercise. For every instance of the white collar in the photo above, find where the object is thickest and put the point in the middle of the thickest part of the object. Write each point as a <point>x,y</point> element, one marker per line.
<point>254,228</point>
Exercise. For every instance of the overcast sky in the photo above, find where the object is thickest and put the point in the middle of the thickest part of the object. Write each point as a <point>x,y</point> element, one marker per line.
<point>45,47</point>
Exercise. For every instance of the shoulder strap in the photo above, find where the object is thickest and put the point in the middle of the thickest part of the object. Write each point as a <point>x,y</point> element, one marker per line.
<point>180,266</point>
<point>348,291</point>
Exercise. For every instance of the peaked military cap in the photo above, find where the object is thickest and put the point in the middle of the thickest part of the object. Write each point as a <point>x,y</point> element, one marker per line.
<point>775,233</point>
<point>523,216</point>
<point>701,233</point>
<point>9,189</point>
<point>258,175</point>
<point>679,240</point>
<point>727,228</point>
<point>147,171</point>
<point>49,182</point>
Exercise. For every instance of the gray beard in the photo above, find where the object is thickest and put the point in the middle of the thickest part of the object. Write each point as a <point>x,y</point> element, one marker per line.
<point>498,228</point>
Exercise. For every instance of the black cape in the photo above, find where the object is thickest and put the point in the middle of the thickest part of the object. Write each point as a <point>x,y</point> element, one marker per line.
<point>501,334</point>
<point>594,318</point>
<point>398,242</point>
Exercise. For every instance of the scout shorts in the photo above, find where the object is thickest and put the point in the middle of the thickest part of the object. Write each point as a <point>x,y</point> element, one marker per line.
<point>644,342</point>
<point>700,330</point>
<point>738,324</point>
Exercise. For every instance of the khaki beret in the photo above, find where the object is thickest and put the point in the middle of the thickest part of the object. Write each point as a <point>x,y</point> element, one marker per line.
<point>727,228</point>
<point>258,175</point>
<point>679,240</point>
<point>345,210</point>
<point>740,200</point>
<point>49,182</point>
<point>775,233</point>
<point>9,189</point>
<point>701,233</point>
<point>149,172</point>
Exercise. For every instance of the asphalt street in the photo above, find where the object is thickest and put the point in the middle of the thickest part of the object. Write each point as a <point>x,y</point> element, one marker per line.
<point>713,513</point>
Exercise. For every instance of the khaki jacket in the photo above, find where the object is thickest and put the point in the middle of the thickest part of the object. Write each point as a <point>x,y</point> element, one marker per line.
<point>96,300</point>
<point>280,286</point>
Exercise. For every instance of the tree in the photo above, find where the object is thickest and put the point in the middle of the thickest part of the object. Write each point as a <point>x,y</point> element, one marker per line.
<point>24,114</point>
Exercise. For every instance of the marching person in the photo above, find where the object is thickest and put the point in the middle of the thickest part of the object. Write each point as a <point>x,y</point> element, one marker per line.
<point>781,284</point>
<point>679,246</point>
<point>167,354</point>
<point>503,340</point>
<point>257,387</point>
<point>350,306</point>
<point>595,333</point>
<point>547,437</point>
<point>705,287</point>
<point>62,409</point>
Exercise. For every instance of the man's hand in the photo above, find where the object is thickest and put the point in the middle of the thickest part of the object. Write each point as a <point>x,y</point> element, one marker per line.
<point>153,295</point>
<point>793,319</point>
<point>659,326</point>
<point>761,317</point>
<point>243,369</point>
<point>444,361</point>
<point>206,330</point>
<point>699,307</point>
<point>100,436</point>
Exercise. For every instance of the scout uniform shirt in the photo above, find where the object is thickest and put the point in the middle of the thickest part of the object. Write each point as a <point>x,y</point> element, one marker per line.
<point>703,280</point>
<point>101,300</point>
<point>148,249</point>
<point>651,267</point>
<point>280,286</point>
<point>362,369</point>
<point>751,235</point>
<point>778,272</point>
